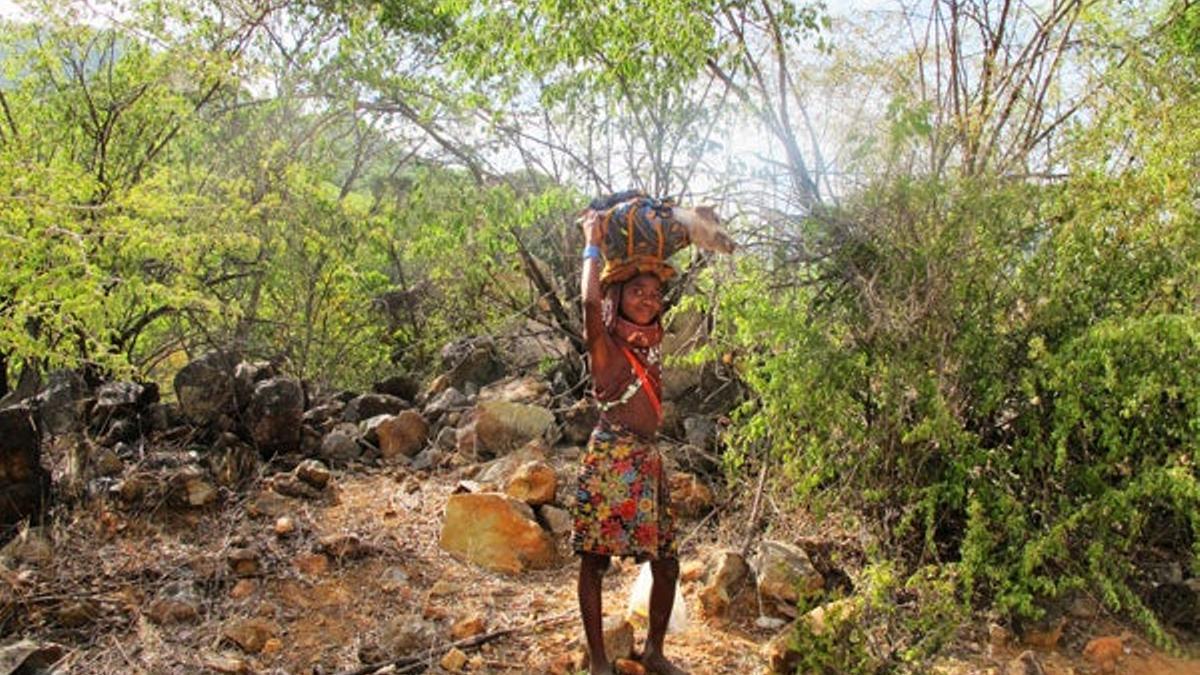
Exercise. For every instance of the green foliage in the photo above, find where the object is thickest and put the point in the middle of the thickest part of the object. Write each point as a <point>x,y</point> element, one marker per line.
<point>891,623</point>
<point>1002,374</point>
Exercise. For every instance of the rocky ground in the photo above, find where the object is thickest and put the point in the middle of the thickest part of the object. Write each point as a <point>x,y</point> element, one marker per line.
<point>356,578</point>
<point>254,527</point>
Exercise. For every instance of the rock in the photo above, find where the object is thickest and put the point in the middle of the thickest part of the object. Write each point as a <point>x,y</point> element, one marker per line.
<point>232,462</point>
<point>243,589</point>
<point>781,658</point>
<point>406,634</point>
<point>24,484</point>
<point>468,627</point>
<point>618,638</point>
<point>471,360</point>
<point>116,400</point>
<point>559,521</point>
<point>245,376</point>
<point>192,486</point>
<point>1043,635</point>
<point>275,415</point>
<point>272,646</point>
<point>323,416</point>
<point>496,532</point>
<point>284,526</point>
<point>785,573</point>
<point>61,406</point>
<point>820,620</point>
<point>527,389</point>
<point>501,426</point>
<point>366,406</point>
<point>268,504</point>
<point>312,564</point>
<point>400,386</point>
<point>402,435</point>
<point>244,562</point>
<point>344,546</point>
<point>579,420</point>
<point>534,483</point>
<point>999,638</point>
<point>429,457</point>
<point>690,497</point>
<point>1025,664</point>
<point>223,663</point>
<point>29,656</point>
<point>728,572</point>
<point>1104,652</point>
<point>205,387</point>
<point>448,400</point>
<point>176,603</point>
<point>454,660</point>
<point>700,431</point>
<point>691,570</point>
<point>341,444</point>
<point>250,634</point>
<point>314,473</point>
<point>288,484</point>
<point>368,429</point>
<point>770,622</point>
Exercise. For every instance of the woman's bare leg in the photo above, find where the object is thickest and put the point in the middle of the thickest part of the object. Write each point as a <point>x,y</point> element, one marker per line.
<point>591,572</point>
<point>662,599</point>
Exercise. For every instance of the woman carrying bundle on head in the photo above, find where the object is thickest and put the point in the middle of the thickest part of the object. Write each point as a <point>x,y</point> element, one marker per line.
<point>622,502</point>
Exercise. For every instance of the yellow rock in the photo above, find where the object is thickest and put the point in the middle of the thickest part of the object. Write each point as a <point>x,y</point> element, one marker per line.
<point>497,532</point>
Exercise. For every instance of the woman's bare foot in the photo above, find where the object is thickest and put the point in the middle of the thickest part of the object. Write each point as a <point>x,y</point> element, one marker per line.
<point>657,663</point>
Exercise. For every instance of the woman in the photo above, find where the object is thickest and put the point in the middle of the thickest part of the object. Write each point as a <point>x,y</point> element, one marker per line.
<point>621,504</point>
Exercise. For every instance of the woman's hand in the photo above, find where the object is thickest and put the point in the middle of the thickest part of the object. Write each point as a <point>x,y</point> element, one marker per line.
<point>591,225</point>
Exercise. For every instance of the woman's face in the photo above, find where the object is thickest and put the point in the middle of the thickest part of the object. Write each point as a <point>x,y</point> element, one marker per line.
<point>641,299</point>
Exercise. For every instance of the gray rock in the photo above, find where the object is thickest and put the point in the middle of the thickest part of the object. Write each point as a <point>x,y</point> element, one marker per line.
<point>322,416</point>
<point>205,387</point>
<point>60,406</point>
<point>700,431</point>
<point>448,400</point>
<point>116,399</point>
<point>341,444</point>
<point>367,406</point>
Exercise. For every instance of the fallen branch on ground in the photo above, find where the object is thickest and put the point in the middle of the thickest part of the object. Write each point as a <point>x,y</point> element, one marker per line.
<point>410,664</point>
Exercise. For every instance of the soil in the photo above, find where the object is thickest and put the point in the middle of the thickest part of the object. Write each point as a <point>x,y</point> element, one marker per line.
<point>326,608</point>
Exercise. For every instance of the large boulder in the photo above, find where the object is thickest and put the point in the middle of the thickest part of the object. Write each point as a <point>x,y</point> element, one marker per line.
<point>205,387</point>
<point>24,484</point>
<point>402,435</point>
<point>498,427</point>
<point>784,573</point>
<point>496,532</point>
<point>275,414</point>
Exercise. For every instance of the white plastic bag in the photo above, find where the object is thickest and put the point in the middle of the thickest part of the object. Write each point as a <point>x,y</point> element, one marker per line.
<point>639,602</point>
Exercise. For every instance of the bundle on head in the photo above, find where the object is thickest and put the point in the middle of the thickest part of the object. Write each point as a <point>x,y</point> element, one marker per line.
<point>640,233</point>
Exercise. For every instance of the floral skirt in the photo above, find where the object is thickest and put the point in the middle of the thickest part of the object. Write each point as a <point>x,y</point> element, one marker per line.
<point>621,504</point>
